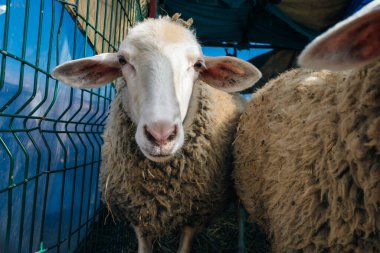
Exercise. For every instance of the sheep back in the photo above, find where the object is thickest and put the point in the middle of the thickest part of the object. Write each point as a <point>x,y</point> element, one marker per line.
<point>307,161</point>
<point>191,188</point>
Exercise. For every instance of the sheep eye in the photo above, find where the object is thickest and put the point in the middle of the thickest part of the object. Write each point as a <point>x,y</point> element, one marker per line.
<point>199,65</point>
<point>122,60</point>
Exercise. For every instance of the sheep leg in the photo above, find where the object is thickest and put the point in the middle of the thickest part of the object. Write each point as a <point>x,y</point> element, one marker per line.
<point>144,243</point>
<point>186,239</point>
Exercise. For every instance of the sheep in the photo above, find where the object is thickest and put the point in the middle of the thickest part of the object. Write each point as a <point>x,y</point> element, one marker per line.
<point>167,152</point>
<point>307,147</point>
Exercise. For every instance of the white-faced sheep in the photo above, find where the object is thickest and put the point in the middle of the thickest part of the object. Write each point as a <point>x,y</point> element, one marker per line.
<point>308,145</point>
<point>168,140</point>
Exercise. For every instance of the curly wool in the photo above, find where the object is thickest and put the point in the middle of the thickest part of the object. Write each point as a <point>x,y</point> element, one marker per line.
<point>308,160</point>
<point>191,188</point>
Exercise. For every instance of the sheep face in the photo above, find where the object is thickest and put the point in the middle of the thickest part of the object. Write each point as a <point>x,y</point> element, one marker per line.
<point>160,61</point>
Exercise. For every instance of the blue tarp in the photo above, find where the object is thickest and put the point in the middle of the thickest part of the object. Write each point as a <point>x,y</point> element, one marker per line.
<point>355,6</point>
<point>217,21</point>
<point>71,195</point>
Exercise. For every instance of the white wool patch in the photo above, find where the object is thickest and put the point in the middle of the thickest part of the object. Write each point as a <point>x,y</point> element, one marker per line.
<point>314,80</point>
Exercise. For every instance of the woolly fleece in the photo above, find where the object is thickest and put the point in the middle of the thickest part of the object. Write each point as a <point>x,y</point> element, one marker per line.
<point>192,188</point>
<point>308,160</point>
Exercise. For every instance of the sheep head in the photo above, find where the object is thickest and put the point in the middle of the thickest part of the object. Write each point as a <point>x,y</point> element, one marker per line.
<point>160,60</point>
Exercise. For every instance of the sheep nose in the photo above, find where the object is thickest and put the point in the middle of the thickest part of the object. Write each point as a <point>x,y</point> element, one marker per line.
<point>161,132</point>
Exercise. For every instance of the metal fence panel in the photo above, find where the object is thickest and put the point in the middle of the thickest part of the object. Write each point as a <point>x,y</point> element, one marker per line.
<point>50,134</point>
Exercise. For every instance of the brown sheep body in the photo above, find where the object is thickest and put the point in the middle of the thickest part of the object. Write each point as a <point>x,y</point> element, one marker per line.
<point>191,188</point>
<point>308,172</point>
<point>308,157</point>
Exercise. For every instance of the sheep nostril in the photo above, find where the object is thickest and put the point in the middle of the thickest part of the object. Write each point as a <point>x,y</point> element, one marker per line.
<point>173,134</point>
<point>160,133</point>
<point>148,135</point>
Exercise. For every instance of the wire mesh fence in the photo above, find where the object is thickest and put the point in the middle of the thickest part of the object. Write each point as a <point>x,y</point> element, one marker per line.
<point>50,134</point>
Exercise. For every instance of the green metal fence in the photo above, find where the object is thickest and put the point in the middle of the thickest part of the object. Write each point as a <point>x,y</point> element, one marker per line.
<point>50,134</point>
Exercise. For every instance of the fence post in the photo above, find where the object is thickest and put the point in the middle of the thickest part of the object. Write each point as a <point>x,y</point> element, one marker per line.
<point>153,9</point>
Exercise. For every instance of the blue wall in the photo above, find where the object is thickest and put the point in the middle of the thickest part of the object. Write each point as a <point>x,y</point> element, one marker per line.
<point>53,200</point>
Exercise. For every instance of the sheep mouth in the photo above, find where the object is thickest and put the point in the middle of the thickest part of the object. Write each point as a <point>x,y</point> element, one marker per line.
<point>156,153</point>
<point>157,156</point>
<point>160,155</point>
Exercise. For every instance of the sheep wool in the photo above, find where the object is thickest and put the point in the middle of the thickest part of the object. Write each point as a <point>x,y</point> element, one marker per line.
<point>189,189</point>
<point>308,160</point>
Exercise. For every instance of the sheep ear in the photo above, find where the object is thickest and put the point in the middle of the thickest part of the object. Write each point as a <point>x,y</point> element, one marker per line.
<point>90,72</point>
<point>351,43</point>
<point>229,74</point>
